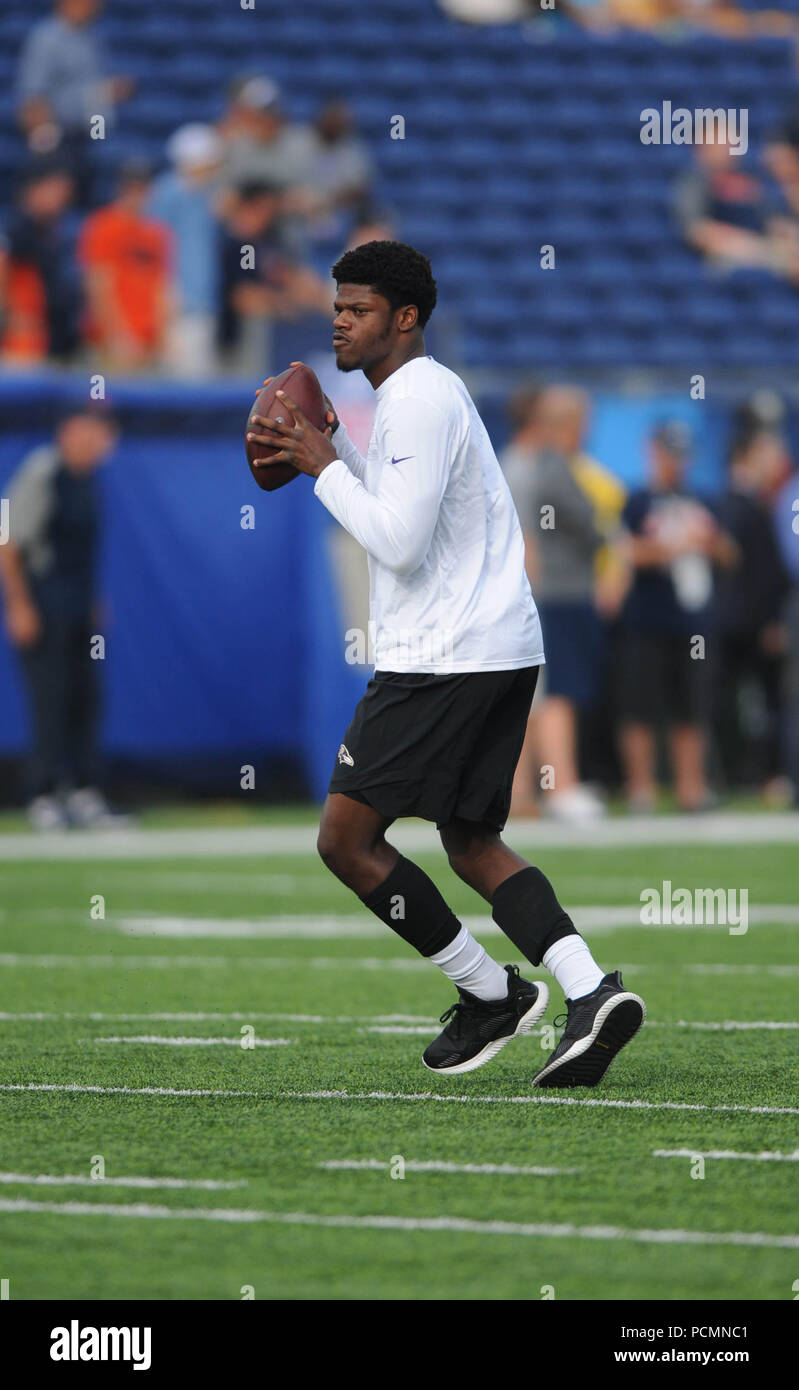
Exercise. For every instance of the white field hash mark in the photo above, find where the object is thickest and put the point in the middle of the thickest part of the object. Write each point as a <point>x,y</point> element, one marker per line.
<point>76,1088</point>
<point>82,1180</point>
<point>765,1157</point>
<point>155,1040</point>
<point>434,1224</point>
<point>412,1165</point>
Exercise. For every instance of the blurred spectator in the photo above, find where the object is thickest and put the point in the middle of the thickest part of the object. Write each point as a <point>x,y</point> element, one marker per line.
<point>749,605</point>
<point>261,282</point>
<point>262,145</point>
<point>491,11</point>
<point>723,17</point>
<point>787,521</point>
<point>673,545</point>
<point>183,199</point>
<point>48,578</point>
<point>734,216</point>
<point>556,488</point>
<point>42,293</point>
<point>63,83</point>
<point>340,183</point>
<point>126,261</point>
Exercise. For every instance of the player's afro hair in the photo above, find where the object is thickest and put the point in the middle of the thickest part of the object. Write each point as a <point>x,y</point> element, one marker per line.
<point>391,268</point>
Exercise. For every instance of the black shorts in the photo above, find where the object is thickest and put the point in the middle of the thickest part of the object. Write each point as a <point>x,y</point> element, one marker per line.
<point>438,747</point>
<point>658,680</point>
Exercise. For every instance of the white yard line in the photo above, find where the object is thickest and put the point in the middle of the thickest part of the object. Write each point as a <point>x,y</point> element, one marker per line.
<point>432,1224</point>
<point>441,1166</point>
<point>423,1030</point>
<point>200,1042</point>
<point>765,1157</point>
<point>32,1087</point>
<point>343,926</point>
<point>623,832</point>
<point>81,1180</point>
<point>23,960</point>
<point>51,961</point>
<point>779,971</point>
<point>228,879</point>
<point>541,1100</point>
<point>730,1026</point>
<point>212,1018</point>
<point>399,1024</point>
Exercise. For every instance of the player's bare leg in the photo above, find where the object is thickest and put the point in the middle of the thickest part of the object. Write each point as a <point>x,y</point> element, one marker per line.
<point>352,843</point>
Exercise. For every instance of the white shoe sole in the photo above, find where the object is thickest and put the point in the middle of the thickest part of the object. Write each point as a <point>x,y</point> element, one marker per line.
<point>620,1032</point>
<point>526,1022</point>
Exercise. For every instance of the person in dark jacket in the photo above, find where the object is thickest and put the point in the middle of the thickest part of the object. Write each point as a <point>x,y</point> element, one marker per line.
<point>749,600</point>
<point>48,575</point>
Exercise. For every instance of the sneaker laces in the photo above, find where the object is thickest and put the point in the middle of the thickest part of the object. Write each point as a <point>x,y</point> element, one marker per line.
<point>571,1019</point>
<point>461,1006</point>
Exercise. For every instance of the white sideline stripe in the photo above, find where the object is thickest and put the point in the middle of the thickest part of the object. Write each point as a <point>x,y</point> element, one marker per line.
<point>122,1090</point>
<point>542,1100</point>
<point>143,1210</point>
<point>764,1157</point>
<point>81,1180</point>
<point>622,832</point>
<point>34,1086</point>
<point>200,1042</point>
<point>440,1166</point>
<point>343,926</point>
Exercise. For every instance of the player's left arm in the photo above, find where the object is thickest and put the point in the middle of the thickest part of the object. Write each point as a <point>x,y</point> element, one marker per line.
<point>395,524</point>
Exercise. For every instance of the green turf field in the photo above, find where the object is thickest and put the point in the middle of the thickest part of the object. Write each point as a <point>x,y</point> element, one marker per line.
<point>356,1008</point>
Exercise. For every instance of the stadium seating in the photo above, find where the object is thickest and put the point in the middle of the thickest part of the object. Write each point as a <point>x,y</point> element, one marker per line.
<point>516,136</point>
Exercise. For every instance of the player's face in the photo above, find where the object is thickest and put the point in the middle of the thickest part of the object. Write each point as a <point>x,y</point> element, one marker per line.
<point>363,328</point>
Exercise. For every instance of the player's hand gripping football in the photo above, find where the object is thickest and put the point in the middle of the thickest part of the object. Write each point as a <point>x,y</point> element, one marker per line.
<point>303,446</point>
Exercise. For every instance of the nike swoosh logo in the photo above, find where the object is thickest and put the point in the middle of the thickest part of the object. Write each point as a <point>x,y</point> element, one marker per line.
<point>402,460</point>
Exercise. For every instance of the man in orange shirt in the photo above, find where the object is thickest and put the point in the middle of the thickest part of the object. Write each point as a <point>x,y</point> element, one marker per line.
<point>126,258</point>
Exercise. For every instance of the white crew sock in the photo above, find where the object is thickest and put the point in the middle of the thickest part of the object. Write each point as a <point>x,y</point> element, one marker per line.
<point>469,966</point>
<point>573,966</point>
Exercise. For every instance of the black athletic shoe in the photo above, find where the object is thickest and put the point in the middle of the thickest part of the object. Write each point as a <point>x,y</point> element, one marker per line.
<point>477,1030</point>
<point>597,1027</point>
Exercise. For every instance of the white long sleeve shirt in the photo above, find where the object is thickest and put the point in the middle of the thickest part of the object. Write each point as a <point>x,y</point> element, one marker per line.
<point>430,505</point>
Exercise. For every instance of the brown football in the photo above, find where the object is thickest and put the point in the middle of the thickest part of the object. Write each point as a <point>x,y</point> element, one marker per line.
<point>301,384</point>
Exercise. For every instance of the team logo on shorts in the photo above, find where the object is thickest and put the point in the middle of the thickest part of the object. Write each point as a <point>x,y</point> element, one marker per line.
<point>345,756</point>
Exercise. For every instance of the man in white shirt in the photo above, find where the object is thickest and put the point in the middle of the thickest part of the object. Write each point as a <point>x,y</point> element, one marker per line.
<point>457,650</point>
